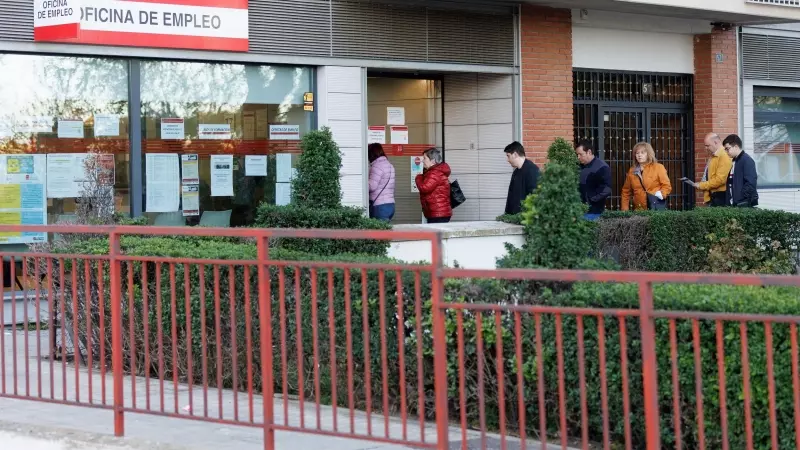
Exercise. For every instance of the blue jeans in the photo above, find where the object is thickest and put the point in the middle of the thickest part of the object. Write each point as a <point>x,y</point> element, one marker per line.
<point>592,217</point>
<point>383,212</point>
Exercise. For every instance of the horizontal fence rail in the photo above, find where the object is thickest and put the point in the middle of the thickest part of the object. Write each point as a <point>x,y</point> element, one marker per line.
<point>423,356</point>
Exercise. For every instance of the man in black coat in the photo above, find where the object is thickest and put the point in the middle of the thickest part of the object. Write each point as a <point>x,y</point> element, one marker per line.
<point>742,188</point>
<point>523,180</point>
<point>595,181</point>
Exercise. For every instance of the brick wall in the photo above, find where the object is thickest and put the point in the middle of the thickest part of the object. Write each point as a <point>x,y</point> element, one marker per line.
<point>546,78</point>
<point>716,98</point>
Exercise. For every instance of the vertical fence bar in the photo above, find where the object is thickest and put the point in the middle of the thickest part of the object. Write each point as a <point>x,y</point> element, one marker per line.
<point>439,344</point>
<point>649,364</point>
<point>265,335</point>
<point>116,333</point>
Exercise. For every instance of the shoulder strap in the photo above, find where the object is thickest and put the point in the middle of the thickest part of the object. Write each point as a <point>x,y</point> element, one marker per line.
<point>387,182</point>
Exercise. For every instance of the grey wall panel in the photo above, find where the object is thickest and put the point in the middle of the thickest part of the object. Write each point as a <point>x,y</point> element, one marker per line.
<point>352,29</point>
<point>766,57</point>
<point>16,20</point>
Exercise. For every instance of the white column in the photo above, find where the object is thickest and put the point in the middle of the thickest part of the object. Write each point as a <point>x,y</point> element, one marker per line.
<point>340,107</point>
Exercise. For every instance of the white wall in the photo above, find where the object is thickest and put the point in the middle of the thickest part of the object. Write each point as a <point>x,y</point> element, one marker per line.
<point>478,124</point>
<point>340,106</point>
<point>634,42</point>
<point>468,252</point>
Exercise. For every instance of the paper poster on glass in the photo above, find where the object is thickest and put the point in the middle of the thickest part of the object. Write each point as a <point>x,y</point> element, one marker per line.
<point>22,196</point>
<point>283,193</point>
<point>190,173</point>
<point>255,165</point>
<point>399,135</point>
<point>214,131</point>
<point>70,129</point>
<point>34,124</point>
<point>416,169</point>
<point>283,163</point>
<point>172,128</point>
<point>284,132</point>
<point>376,135</point>
<point>222,175</point>
<point>162,178</point>
<point>106,125</point>
<point>190,199</point>
<point>396,115</point>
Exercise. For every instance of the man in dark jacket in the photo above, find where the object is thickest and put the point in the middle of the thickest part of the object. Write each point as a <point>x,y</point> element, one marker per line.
<point>742,188</point>
<point>523,180</point>
<point>595,181</point>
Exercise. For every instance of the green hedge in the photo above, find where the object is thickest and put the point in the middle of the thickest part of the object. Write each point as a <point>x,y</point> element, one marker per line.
<point>674,241</point>
<point>291,216</point>
<point>403,337</point>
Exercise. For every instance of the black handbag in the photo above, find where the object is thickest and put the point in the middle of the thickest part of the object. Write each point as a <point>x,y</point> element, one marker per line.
<point>654,203</point>
<point>456,195</point>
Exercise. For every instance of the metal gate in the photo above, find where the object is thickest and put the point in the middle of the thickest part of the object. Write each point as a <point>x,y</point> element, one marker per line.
<point>616,110</point>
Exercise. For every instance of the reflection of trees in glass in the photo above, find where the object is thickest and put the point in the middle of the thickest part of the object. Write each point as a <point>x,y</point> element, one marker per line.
<point>775,165</point>
<point>777,104</point>
<point>59,87</point>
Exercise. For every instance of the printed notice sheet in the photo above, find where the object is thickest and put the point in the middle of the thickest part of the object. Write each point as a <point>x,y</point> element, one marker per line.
<point>66,173</point>
<point>22,196</point>
<point>34,124</point>
<point>395,115</point>
<point>416,169</point>
<point>70,129</point>
<point>283,162</point>
<point>222,175</point>
<point>190,173</point>
<point>172,129</point>
<point>190,200</point>
<point>376,135</point>
<point>283,194</point>
<point>163,182</point>
<point>255,165</point>
<point>399,135</point>
<point>106,125</point>
<point>214,131</point>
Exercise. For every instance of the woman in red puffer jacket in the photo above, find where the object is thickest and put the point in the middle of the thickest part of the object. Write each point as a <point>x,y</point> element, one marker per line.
<point>434,187</point>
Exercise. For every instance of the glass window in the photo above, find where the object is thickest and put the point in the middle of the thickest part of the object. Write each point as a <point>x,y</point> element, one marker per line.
<point>223,109</point>
<point>776,138</point>
<point>66,106</point>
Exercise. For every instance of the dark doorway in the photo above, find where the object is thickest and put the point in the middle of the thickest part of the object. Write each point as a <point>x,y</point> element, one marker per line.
<point>616,110</point>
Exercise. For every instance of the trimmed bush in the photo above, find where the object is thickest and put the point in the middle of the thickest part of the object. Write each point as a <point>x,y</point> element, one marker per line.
<point>342,217</point>
<point>562,152</point>
<point>316,184</point>
<point>673,241</point>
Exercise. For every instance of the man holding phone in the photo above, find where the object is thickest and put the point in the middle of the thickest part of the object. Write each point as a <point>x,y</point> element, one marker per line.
<point>715,177</point>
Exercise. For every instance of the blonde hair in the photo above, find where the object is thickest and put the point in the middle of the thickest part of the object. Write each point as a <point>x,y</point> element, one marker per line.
<point>651,154</point>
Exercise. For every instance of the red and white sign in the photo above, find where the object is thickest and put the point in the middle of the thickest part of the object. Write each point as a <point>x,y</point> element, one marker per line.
<point>284,132</point>
<point>399,135</point>
<point>190,24</point>
<point>376,135</point>
<point>214,131</point>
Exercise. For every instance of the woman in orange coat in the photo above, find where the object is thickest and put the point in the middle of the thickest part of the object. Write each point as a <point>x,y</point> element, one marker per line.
<point>647,176</point>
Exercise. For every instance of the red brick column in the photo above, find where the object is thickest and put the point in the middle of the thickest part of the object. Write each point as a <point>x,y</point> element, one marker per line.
<point>716,98</point>
<point>546,78</point>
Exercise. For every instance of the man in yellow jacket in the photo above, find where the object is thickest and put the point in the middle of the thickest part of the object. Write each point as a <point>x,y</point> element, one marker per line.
<point>715,177</point>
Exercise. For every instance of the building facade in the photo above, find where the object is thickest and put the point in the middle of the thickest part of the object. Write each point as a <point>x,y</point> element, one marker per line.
<point>198,106</point>
<point>771,111</point>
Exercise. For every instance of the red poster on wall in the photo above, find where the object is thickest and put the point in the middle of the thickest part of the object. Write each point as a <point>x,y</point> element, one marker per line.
<point>189,24</point>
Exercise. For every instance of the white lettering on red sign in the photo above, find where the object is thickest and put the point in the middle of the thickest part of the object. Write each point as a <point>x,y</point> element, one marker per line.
<point>164,24</point>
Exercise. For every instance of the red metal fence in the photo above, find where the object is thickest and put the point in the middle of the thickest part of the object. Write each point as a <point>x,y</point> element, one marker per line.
<point>392,353</point>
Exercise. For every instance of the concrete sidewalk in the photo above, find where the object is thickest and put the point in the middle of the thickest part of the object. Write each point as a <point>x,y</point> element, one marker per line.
<point>145,429</point>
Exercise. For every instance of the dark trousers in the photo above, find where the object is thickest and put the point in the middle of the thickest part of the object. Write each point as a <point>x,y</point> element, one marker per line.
<point>439,220</point>
<point>718,199</point>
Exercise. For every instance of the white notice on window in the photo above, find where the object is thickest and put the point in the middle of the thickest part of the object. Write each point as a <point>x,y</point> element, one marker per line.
<point>399,135</point>
<point>222,175</point>
<point>65,171</point>
<point>163,188</point>
<point>284,167</point>
<point>35,124</point>
<point>255,165</point>
<point>395,115</point>
<point>214,131</point>
<point>376,135</point>
<point>106,125</point>
<point>172,129</point>
<point>70,129</point>
<point>189,169</point>
<point>190,199</point>
<point>283,194</point>
<point>284,132</point>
